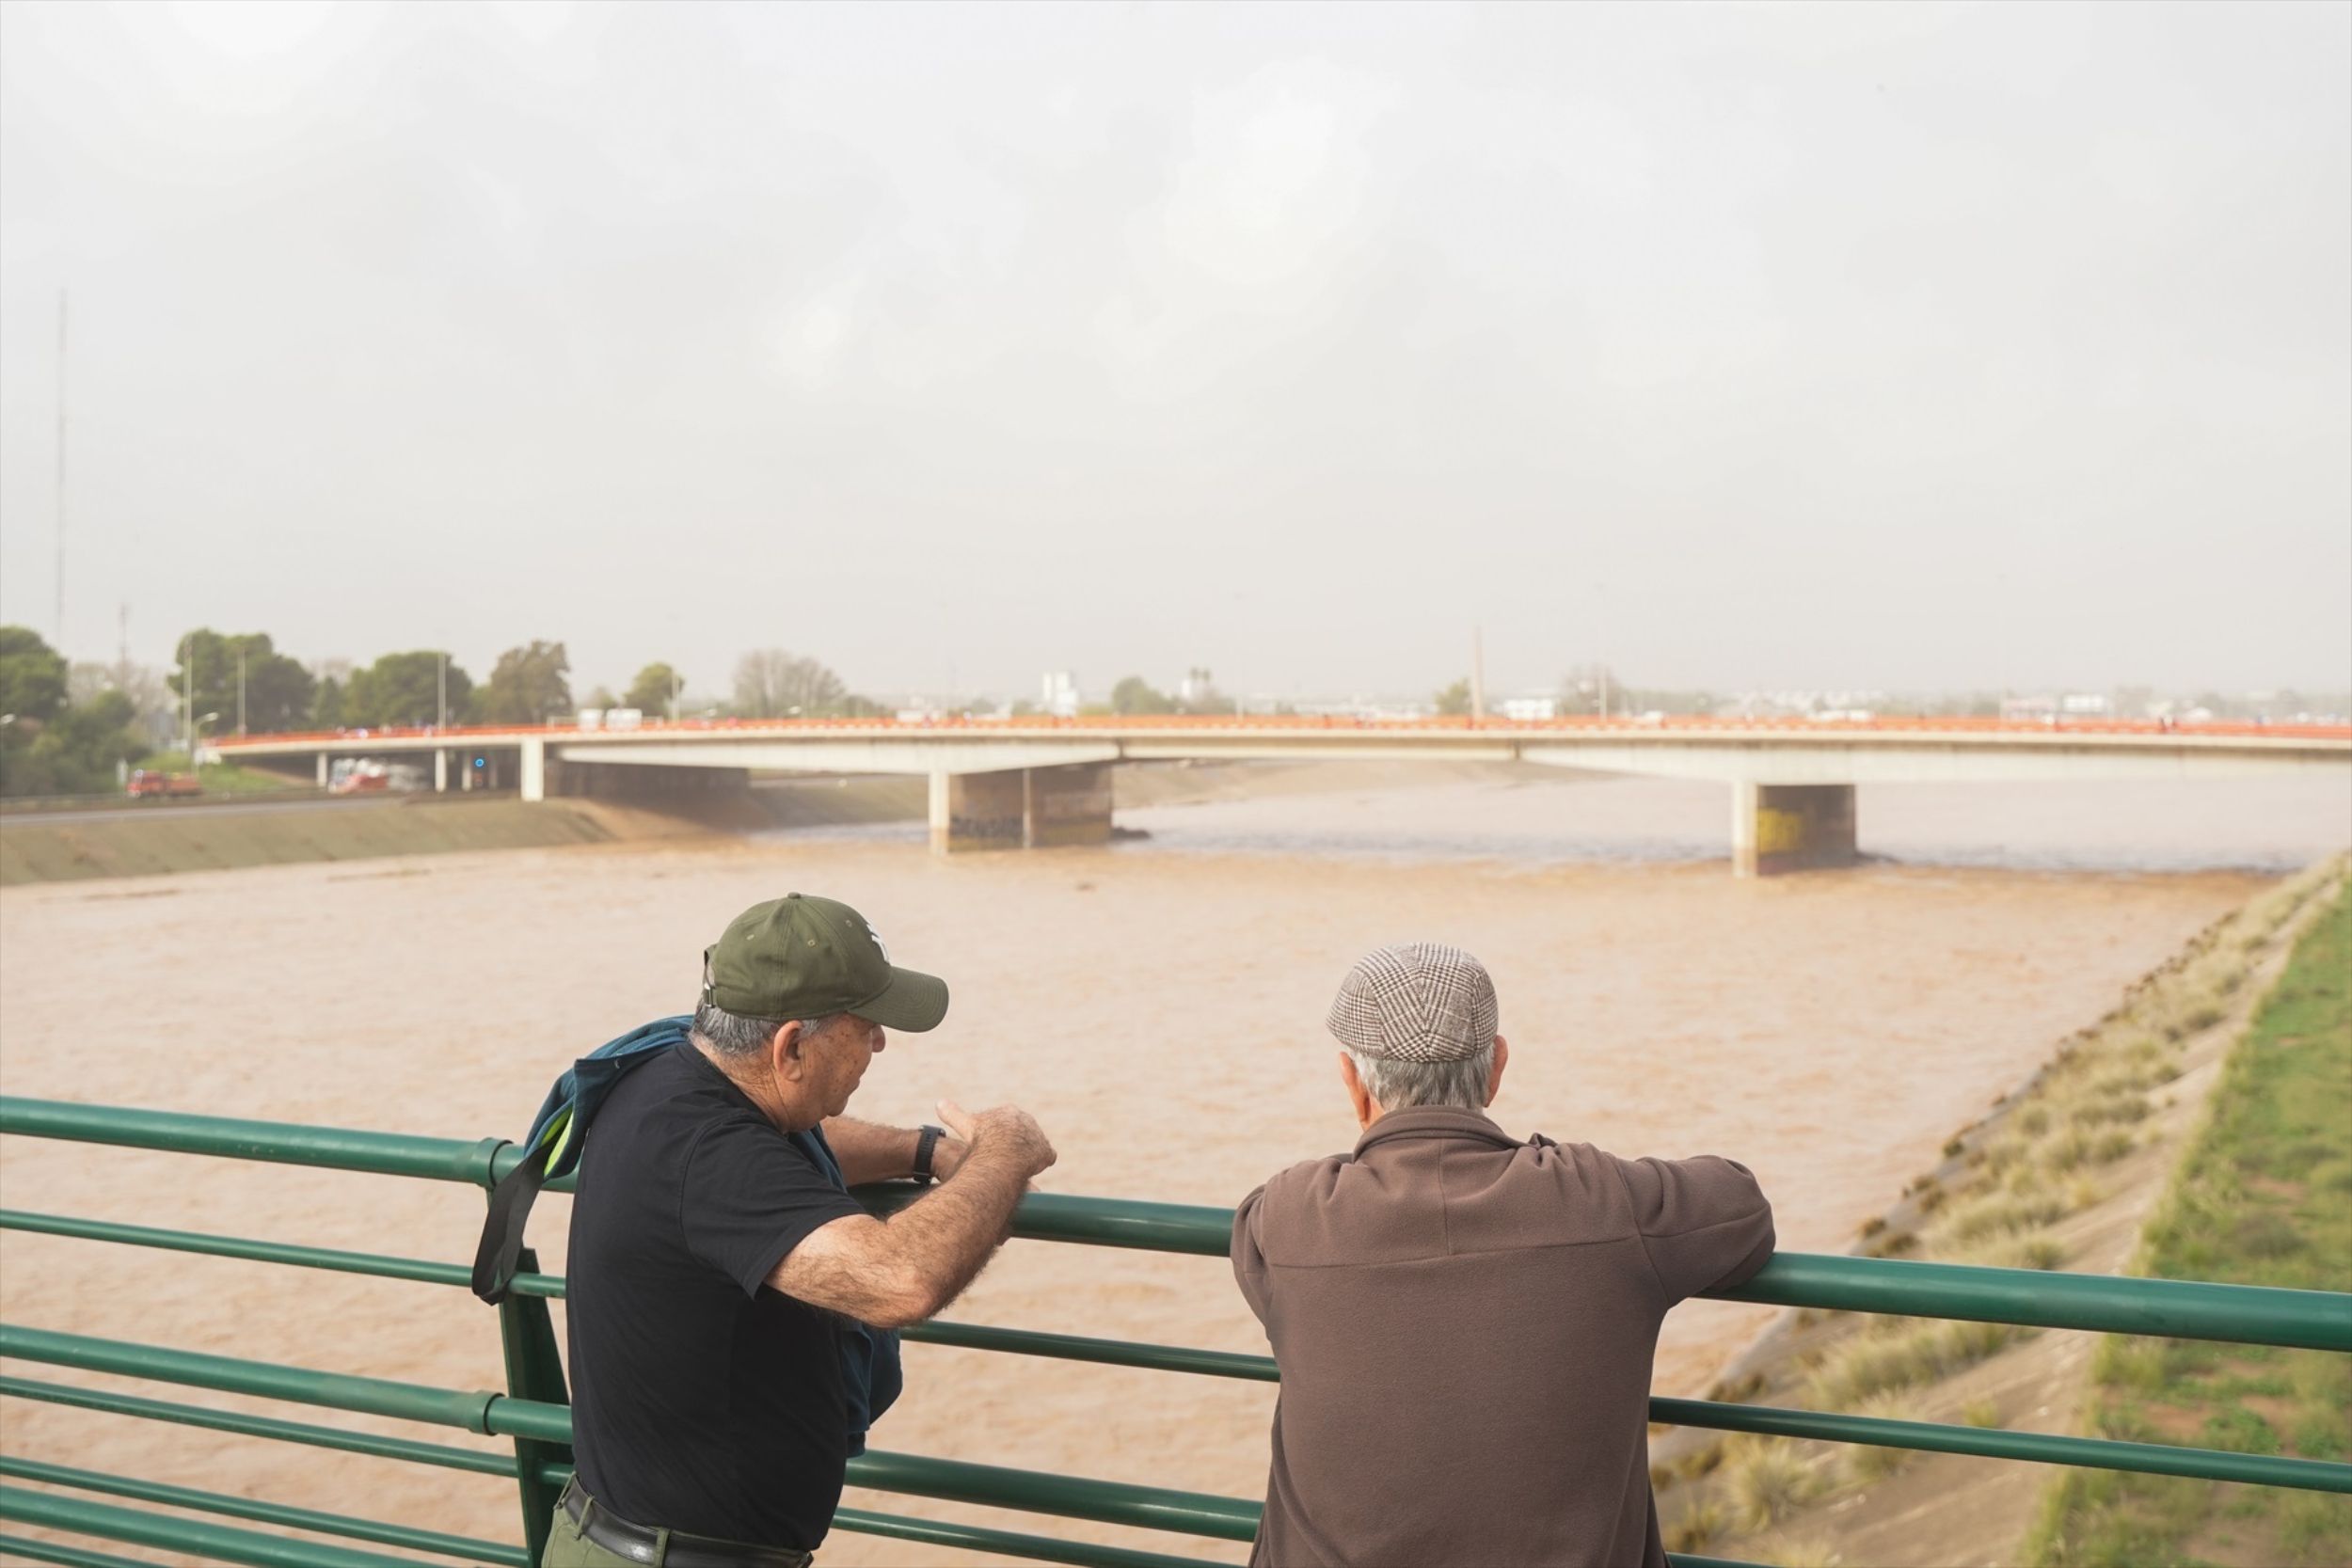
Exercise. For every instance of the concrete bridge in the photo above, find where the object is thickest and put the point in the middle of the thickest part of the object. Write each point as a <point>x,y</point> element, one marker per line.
<point>1037,782</point>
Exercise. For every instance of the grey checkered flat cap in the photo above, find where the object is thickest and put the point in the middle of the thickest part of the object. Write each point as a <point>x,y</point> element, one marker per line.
<point>1415,1002</point>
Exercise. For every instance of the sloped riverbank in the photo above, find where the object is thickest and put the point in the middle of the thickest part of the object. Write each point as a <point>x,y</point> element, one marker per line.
<point>2063,1173</point>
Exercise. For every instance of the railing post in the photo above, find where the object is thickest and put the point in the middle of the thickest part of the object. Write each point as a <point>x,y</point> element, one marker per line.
<point>534,1371</point>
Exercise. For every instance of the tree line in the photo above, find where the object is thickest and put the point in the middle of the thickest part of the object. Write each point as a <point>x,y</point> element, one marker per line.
<point>66,729</point>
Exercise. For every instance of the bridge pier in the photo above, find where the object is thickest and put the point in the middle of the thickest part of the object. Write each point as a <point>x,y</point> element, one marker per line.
<point>321,770</point>
<point>1021,808</point>
<point>1777,828</point>
<point>440,772</point>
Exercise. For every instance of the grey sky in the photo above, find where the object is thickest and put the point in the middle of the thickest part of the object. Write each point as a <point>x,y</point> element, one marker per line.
<point>1906,346</point>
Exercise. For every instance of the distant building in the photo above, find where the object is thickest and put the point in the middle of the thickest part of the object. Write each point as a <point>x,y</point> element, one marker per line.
<point>1061,699</point>
<point>2029,710</point>
<point>1531,710</point>
<point>2043,707</point>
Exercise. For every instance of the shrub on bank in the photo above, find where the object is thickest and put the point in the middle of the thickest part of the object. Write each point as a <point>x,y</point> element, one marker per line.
<point>1766,1480</point>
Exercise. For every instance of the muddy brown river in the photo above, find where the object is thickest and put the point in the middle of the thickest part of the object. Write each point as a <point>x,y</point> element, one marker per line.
<point>1159,1011</point>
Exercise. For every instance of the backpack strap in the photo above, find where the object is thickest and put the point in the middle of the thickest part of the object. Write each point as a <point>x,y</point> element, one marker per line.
<point>495,1256</point>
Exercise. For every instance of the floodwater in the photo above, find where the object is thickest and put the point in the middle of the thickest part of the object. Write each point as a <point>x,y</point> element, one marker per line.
<point>1157,1004</point>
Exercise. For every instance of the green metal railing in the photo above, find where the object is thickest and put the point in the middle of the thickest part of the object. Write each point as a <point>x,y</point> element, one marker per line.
<point>531,1412</point>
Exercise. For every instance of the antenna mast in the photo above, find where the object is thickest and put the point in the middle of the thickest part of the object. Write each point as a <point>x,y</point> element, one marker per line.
<point>60,644</point>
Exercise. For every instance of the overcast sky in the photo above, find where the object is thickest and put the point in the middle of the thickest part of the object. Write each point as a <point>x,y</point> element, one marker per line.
<point>1902,347</point>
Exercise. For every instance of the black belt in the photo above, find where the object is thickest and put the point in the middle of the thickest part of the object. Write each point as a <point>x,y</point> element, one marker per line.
<point>639,1543</point>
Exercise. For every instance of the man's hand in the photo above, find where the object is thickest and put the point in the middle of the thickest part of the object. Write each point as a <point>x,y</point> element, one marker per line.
<point>892,1273</point>
<point>947,1156</point>
<point>1008,1129</point>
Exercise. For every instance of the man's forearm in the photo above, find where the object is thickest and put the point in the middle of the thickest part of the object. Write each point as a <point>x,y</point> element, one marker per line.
<point>950,1231</point>
<point>870,1152</point>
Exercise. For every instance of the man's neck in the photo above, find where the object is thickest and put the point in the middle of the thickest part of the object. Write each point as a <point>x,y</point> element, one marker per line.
<point>759,1088</point>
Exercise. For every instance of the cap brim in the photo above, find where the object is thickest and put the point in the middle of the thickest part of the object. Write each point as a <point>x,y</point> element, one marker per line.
<point>913,1001</point>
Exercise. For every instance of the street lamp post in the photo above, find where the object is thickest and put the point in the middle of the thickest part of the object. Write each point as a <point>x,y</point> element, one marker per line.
<point>187,693</point>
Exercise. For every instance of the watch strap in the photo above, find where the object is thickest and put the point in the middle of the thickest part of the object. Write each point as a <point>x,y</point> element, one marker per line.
<point>925,1141</point>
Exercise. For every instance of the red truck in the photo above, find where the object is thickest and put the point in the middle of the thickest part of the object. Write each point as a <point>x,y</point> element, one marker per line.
<point>148,781</point>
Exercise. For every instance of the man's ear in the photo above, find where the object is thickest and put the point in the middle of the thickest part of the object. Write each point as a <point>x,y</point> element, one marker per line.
<point>1494,1080</point>
<point>786,1052</point>
<point>1358,1095</point>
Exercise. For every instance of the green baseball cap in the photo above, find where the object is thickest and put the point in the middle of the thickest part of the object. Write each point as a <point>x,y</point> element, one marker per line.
<point>804,957</point>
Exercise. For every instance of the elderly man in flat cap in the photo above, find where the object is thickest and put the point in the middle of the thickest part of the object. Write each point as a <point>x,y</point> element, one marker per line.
<point>1464,1321</point>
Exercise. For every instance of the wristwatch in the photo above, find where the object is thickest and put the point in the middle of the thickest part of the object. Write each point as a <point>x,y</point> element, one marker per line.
<point>925,1141</point>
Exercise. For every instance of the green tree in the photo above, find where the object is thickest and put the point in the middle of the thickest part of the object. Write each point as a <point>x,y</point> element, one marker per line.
<point>278,690</point>
<point>653,690</point>
<point>32,675</point>
<point>75,752</point>
<point>327,705</point>
<point>1133,694</point>
<point>529,684</point>
<point>1455,700</point>
<point>601,698</point>
<point>405,689</point>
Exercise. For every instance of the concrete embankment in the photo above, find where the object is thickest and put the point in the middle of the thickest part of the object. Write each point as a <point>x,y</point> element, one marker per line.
<point>155,841</point>
<point>145,844</point>
<point>145,841</point>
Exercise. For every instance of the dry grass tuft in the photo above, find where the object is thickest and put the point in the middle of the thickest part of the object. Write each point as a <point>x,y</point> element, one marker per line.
<point>1904,1354</point>
<point>2016,1252</point>
<point>1699,1526</point>
<point>1866,1466</point>
<point>1766,1481</point>
<point>2004,1213</point>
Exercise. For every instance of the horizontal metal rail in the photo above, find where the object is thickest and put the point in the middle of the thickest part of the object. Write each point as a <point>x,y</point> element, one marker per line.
<point>977,1538</point>
<point>176,1533</point>
<point>1164,1508</point>
<point>1070,1497</point>
<point>237,1138</point>
<point>71,1556</point>
<point>1107,1353</point>
<point>406,1450</point>
<point>2038,1447</point>
<point>980,1538</point>
<point>376,1531</point>
<point>2145,1458</point>
<point>376,1264</point>
<point>2304,1318</point>
<point>365,1396</point>
<point>1106,1502</point>
<point>2185,1309</point>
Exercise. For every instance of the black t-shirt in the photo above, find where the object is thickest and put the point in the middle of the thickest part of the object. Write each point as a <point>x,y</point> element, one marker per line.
<point>703,1400</point>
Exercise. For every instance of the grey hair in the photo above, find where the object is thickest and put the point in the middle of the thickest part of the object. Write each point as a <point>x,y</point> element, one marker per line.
<point>1394,1085</point>
<point>726,1034</point>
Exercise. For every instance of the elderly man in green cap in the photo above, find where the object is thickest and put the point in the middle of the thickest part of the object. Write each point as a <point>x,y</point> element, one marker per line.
<point>730,1304</point>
